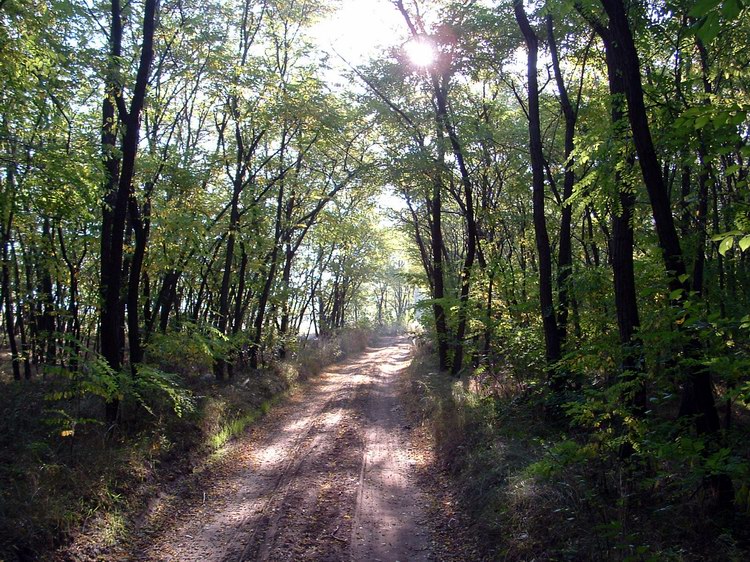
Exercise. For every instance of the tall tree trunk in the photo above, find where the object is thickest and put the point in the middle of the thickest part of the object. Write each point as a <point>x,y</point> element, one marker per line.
<point>223,318</point>
<point>141,227</point>
<point>74,268</point>
<point>626,303</point>
<point>434,204</point>
<point>697,393</point>
<point>8,305</point>
<point>565,249</point>
<point>118,188</point>
<point>704,175</point>
<point>168,299</point>
<point>440,90</point>
<point>20,324</point>
<point>549,322</point>
<point>268,285</point>
<point>47,320</point>
<point>285,313</point>
<point>625,59</point>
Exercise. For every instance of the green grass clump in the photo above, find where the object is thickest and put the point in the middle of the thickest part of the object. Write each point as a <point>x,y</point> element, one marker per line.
<point>238,425</point>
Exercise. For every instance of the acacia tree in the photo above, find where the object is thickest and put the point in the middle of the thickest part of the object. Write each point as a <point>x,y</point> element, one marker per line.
<point>120,117</point>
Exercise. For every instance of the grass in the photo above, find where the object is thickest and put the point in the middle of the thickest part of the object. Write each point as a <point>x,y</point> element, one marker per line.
<point>238,425</point>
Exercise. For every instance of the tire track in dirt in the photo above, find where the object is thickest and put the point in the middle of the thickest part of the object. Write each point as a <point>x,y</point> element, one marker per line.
<point>325,476</point>
<point>390,520</point>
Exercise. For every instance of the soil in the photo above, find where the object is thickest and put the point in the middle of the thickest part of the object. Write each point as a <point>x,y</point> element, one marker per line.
<point>333,473</point>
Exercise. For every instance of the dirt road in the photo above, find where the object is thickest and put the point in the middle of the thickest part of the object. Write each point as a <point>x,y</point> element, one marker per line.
<point>326,476</point>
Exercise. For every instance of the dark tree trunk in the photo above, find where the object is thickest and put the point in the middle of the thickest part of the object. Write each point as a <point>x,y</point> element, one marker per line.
<point>704,176</point>
<point>119,188</point>
<point>164,302</point>
<point>223,319</point>
<point>438,275</point>
<point>268,285</point>
<point>549,322</point>
<point>8,305</point>
<point>20,324</point>
<point>109,325</point>
<point>441,97</point>
<point>47,320</point>
<point>239,304</point>
<point>565,251</point>
<point>625,59</point>
<point>141,227</point>
<point>74,328</point>
<point>626,303</point>
<point>697,395</point>
<point>285,278</point>
<point>169,302</point>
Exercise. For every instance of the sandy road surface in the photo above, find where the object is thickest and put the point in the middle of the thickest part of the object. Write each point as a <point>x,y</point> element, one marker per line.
<point>326,476</point>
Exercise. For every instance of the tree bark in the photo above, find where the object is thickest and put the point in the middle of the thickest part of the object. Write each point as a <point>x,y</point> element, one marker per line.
<point>549,322</point>
<point>119,189</point>
<point>565,249</point>
<point>626,303</point>
<point>697,392</point>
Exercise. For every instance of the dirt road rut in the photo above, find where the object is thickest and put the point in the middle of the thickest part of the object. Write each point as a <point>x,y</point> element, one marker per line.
<point>326,476</point>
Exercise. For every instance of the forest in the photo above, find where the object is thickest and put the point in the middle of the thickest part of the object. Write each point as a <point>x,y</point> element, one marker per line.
<point>200,205</point>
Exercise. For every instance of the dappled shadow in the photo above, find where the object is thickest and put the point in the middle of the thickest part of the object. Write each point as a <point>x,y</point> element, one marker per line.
<point>324,477</point>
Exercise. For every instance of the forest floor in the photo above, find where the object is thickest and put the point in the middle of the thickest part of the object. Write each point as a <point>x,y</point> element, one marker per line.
<point>336,472</point>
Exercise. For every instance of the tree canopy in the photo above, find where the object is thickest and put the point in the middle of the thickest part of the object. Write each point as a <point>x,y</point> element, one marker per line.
<point>574,216</point>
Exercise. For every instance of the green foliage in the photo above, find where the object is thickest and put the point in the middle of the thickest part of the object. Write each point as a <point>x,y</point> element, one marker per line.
<point>95,379</point>
<point>236,425</point>
<point>711,14</point>
<point>190,347</point>
<point>150,383</point>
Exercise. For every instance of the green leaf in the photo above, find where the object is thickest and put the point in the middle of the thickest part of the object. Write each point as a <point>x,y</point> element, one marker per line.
<point>702,7</point>
<point>726,245</point>
<point>676,294</point>
<point>731,9</point>
<point>732,170</point>
<point>744,243</point>
<point>702,121</point>
<point>738,118</point>
<point>710,28</point>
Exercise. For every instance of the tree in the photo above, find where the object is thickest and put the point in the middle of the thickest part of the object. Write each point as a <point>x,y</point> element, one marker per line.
<point>549,321</point>
<point>119,192</point>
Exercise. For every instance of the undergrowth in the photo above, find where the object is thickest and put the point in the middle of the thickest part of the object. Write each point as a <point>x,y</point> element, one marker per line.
<point>536,491</point>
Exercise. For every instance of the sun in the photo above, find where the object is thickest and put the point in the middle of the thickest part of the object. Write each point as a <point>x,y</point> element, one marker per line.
<point>420,52</point>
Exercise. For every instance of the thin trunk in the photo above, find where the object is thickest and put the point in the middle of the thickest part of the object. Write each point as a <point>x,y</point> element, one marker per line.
<point>220,363</point>
<point>267,286</point>
<point>549,322</point>
<point>697,391</point>
<point>141,227</point>
<point>438,279</point>
<point>565,250</point>
<point>441,97</point>
<point>626,301</point>
<point>8,305</point>
<point>25,348</point>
